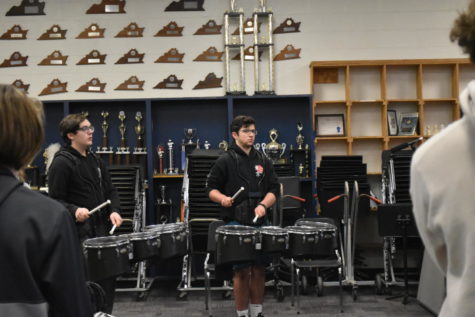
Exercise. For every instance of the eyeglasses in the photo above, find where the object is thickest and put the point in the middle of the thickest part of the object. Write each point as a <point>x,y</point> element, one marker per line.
<point>248,131</point>
<point>86,128</point>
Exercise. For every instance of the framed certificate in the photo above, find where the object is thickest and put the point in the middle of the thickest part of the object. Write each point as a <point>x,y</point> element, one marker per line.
<point>393,128</point>
<point>408,123</point>
<point>330,125</point>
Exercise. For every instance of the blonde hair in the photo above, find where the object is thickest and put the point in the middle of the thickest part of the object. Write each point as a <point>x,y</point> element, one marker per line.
<point>21,127</point>
<point>463,31</point>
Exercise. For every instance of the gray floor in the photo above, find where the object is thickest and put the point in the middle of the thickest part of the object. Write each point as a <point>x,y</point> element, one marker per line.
<point>161,301</point>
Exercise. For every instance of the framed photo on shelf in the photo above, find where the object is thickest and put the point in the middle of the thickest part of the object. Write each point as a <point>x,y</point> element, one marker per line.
<point>330,125</point>
<point>393,128</point>
<point>408,123</point>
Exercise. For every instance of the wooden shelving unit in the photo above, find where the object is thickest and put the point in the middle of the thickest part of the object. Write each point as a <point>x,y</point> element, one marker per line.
<point>364,91</point>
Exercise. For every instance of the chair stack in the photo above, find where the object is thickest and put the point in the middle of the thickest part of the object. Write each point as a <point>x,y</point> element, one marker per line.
<point>331,176</point>
<point>402,169</point>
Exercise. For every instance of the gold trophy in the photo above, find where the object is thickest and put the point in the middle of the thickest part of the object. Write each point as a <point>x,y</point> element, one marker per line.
<point>122,129</point>
<point>139,130</point>
<point>105,127</point>
<point>274,150</point>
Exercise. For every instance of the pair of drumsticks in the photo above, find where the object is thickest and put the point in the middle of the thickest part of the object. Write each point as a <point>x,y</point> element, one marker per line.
<point>234,197</point>
<point>107,202</point>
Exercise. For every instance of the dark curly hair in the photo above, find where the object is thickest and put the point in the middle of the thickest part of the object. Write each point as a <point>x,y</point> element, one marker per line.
<point>463,31</point>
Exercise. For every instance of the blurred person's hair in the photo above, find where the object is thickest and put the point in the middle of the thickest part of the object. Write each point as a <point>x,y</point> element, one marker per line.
<point>463,31</point>
<point>21,127</point>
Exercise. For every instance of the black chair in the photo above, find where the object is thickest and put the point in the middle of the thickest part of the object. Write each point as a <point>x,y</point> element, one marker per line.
<point>325,260</point>
<point>211,270</point>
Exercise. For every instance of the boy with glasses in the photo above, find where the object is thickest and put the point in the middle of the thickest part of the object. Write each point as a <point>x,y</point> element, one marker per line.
<point>79,180</point>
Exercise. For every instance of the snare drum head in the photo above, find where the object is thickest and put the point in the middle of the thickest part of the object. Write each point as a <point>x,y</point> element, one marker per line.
<point>324,226</point>
<point>166,227</point>
<point>273,230</point>
<point>301,230</point>
<point>142,235</point>
<point>236,230</point>
<point>101,242</point>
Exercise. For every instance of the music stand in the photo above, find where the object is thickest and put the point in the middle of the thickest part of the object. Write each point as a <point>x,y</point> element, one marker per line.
<point>397,220</point>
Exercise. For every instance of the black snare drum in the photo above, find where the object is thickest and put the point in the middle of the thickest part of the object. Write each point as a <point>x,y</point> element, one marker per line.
<point>107,256</point>
<point>173,239</point>
<point>273,239</point>
<point>144,245</point>
<point>235,244</point>
<point>302,241</point>
<point>327,234</point>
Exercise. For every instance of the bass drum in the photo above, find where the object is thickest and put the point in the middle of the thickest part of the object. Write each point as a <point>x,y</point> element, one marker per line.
<point>235,244</point>
<point>173,239</point>
<point>107,256</point>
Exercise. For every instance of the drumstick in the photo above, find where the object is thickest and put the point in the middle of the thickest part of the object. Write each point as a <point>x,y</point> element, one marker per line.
<point>107,202</point>
<point>112,230</point>
<point>237,193</point>
<point>255,219</point>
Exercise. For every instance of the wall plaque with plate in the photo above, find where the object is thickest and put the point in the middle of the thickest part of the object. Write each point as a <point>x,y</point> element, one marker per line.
<point>54,33</point>
<point>131,30</point>
<point>54,59</point>
<point>209,28</point>
<point>94,85</point>
<point>248,27</point>
<point>171,29</point>
<point>288,26</point>
<point>131,57</point>
<point>288,52</point>
<point>18,83</point>
<point>248,54</point>
<point>27,7</point>
<point>93,31</point>
<point>93,58</point>
<point>133,83</point>
<point>55,87</point>
<point>186,5</point>
<point>210,55</point>
<point>172,56</point>
<point>15,60</point>
<point>107,7</point>
<point>15,33</point>
<point>211,81</point>
<point>171,82</point>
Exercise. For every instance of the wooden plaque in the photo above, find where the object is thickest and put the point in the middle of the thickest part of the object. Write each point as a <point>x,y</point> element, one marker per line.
<point>248,27</point>
<point>288,52</point>
<point>210,55</point>
<point>171,82</point>
<point>15,60</point>
<point>54,59</point>
<point>186,5</point>
<point>107,7</point>
<point>171,29</point>
<point>15,33</point>
<point>288,26</point>
<point>172,56</point>
<point>248,54</point>
<point>18,83</point>
<point>131,57</point>
<point>27,7</point>
<point>53,33</point>
<point>211,81</point>
<point>93,58</point>
<point>131,30</point>
<point>133,83</point>
<point>209,28</point>
<point>55,87</point>
<point>93,31</point>
<point>94,85</point>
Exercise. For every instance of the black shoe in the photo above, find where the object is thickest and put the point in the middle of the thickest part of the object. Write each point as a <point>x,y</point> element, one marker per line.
<point>260,315</point>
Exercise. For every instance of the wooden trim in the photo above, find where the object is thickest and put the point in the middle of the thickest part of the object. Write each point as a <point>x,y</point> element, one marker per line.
<point>414,62</point>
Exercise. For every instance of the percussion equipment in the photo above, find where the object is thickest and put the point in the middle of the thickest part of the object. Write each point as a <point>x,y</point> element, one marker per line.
<point>144,245</point>
<point>173,239</point>
<point>273,239</point>
<point>235,244</point>
<point>327,234</point>
<point>302,241</point>
<point>107,256</point>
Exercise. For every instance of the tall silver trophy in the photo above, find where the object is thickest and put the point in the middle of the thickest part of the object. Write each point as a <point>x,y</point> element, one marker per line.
<point>235,83</point>
<point>264,50</point>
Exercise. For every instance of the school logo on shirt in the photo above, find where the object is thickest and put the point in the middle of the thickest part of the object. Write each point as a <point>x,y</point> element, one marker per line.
<point>259,170</point>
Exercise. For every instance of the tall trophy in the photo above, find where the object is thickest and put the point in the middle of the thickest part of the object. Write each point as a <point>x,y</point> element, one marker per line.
<point>105,149</point>
<point>161,155</point>
<point>140,152</point>
<point>188,145</point>
<point>122,153</point>
<point>171,170</point>
<point>164,207</point>
<point>274,150</point>
<point>299,156</point>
